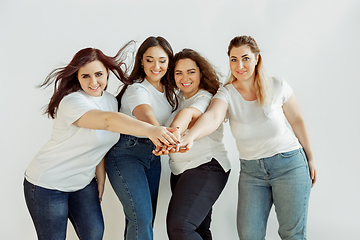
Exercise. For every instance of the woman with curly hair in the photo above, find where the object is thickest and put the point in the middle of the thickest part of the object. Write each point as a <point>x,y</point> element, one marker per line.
<point>199,175</point>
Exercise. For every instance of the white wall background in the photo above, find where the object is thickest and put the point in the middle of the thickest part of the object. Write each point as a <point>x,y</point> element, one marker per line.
<point>313,44</point>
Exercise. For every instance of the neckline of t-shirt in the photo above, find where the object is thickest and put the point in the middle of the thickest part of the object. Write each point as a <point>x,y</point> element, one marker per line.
<point>234,88</point>
<point>193,96</point>
<point>154,87</point>
<point>95,99</point>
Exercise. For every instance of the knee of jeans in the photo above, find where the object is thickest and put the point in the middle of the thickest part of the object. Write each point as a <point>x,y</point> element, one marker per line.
<point>249,233</point>
<point>177,226</point>
<point>96,232</point>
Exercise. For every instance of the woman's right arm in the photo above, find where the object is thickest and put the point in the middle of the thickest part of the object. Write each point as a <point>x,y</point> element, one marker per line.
<point>206,124</point>
<point>121,123</point>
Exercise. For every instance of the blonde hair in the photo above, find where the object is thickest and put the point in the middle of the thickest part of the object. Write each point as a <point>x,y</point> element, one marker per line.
<point>262,81</point>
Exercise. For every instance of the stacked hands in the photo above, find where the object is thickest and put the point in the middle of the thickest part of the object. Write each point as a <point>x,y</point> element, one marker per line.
<point>169,140</point>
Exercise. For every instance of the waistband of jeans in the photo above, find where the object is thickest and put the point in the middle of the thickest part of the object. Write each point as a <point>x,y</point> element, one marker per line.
<point>257,159</point>
<point>138,139</point>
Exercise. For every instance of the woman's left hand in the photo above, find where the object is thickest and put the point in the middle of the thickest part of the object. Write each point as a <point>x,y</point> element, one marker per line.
<point>313,172</point>
<point>101,187</point>
<point>100,176</point>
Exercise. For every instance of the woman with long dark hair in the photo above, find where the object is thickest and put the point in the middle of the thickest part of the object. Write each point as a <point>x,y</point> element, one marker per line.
<point>199,175</point>
<point>277,163</point>
<point>66,178</point>
<point>133,170</point>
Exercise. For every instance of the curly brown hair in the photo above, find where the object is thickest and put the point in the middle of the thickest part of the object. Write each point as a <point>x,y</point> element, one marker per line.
<point>209,77</point>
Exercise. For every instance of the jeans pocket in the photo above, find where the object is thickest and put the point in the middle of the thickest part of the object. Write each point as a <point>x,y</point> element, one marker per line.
<point>126,142</point>
<point>290,153</point>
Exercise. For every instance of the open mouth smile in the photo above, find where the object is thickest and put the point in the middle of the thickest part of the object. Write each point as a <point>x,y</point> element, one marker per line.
<point>186,84</point>
<point>95,88</point>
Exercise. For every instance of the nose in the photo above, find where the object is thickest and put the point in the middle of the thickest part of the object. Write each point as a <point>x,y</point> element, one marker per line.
<point>241,65</point>
<point>157,65</point>
<point>93,80</point>
<point>185,77</point>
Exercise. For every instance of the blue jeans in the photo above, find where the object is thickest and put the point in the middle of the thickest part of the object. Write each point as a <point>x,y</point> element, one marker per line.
<point>282,180</point>
<point>194,193</point>
<point>134,174</point>
<point>50,210</point>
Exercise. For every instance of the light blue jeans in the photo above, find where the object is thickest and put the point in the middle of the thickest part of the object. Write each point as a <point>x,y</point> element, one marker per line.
<point>282,180</point>
<point>134,173</point>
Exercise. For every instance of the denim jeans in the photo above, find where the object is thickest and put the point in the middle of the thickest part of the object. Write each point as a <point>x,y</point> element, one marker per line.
<point>194,193</point>
<point>134,174</point>
<point>282,180</point>
<point>50,210</point>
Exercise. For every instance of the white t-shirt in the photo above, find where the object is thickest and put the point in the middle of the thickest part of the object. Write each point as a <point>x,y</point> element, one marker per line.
<point>203,149</point>
<point>68,160</point>
<point>145,93</point>
<point>259,132</point>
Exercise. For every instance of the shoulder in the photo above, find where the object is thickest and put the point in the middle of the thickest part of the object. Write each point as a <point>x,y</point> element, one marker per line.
<point>278,83</point>
<point>281,89</point>
<point>224,92</point>
<point>109,96</point>
<point>143,86</point>
<point>74,97</point>
<point>203,93</point>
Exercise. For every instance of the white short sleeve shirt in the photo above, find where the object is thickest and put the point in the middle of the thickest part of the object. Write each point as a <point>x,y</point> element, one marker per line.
<point>259,132</point>
<point>203,149</point>
<point>145,93</point>
<point>68,160</point>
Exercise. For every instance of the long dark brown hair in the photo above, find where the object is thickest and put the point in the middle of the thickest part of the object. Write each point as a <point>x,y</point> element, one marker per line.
<point>66,81</point>
<point>138,74</point>
<point>209,77</point>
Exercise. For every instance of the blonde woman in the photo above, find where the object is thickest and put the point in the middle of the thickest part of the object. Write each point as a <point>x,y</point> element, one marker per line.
<point>277,164</point>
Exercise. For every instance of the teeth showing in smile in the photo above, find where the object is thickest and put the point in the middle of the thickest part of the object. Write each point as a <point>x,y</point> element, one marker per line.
<point>155,72</point>
<point>186,84</point>
<point>94,88</point>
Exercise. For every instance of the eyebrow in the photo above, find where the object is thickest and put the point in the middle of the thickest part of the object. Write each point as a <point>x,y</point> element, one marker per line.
<point>153,57</point>
<point>241,56</point>
<point>85,74</point>
<point>191,69</point>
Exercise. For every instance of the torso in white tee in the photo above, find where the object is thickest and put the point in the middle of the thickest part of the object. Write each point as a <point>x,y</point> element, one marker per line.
<point>145,93</point>
<point>68,160</point>
<point>203,149</point>
<point>259,132</point>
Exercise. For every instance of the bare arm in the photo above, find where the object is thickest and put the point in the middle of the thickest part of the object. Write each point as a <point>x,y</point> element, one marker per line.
<point>206,124</point>
<point>121,123</point>
<point>293,115</point>
<point>186,118</point>
<point>145,113</point>
<point>100,177</point>
<point>183,120</point>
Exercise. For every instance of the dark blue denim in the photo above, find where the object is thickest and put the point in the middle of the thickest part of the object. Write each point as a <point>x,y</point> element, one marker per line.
<point>50,210</point>
<point>134,174</point>
<point>194,193</point>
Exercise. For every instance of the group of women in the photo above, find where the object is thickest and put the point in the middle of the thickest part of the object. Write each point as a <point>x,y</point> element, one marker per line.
<point>169,104</point>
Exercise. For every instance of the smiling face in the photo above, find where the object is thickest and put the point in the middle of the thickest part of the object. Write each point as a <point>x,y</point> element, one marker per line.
<point>242,63</point>
<point>187,77</point>
<point>93,78</point>
<point>155,62</point>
